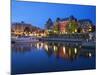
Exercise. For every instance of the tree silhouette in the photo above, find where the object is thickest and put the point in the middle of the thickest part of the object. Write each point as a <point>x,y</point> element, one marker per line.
<point>27,30</point>
<point>93,28</point>
<point>49,24</point>
<point>79,29</point>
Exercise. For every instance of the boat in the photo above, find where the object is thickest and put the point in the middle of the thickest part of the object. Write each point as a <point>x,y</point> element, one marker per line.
<point>24,39</point>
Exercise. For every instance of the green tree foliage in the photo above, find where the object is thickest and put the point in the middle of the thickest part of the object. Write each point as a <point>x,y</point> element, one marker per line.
<point>72,26</point>
<point>56,27</point>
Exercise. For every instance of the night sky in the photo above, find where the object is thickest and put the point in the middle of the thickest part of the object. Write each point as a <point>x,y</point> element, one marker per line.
<point>37,13</point>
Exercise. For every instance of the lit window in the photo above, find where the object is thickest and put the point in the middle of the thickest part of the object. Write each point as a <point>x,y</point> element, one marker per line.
<point>75,30</point>
<point>90,29</point>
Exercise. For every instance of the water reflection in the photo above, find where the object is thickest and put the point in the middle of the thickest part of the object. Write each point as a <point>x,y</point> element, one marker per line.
<point>59,50</point>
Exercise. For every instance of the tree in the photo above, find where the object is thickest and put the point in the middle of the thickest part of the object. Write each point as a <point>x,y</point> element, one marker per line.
<point>79,29</point>
<point>93,28</point>
<point>58,19</point>
<point>27,30</point>
<point>49,24</point>
<point>56,27</point>
<point>73,26</point>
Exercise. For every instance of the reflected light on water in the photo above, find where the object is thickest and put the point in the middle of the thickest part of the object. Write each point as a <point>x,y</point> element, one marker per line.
<point>52,55</point>
<point>90,54</point>
<point>37,45</point>
<point>46,47</point>
<point>51,48</point>
<point>69,51</point>
<point>75,50</point>
<point>41,45</point>
<point>64,50</point>
<point>55,48</point>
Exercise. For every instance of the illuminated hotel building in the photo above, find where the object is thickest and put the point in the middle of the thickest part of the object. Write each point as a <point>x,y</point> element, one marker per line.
<point>72,25</point>
<point>63,26</point>
<point>68,25</point>
<point>19,28</point>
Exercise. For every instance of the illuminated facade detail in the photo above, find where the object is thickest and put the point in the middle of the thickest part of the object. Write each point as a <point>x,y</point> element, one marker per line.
<point>62,26</point>
<point>21,28</point>
<point>24,29</point>
<point>86,25</point>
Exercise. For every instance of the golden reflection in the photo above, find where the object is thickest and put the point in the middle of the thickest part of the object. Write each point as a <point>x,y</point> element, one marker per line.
<point>55,48</point>
<point>41,45</point>
<point>69,51</point>
<point>75,50</point>
<point>46,47</point>
<point>37,45</point>
<point>64,50</point>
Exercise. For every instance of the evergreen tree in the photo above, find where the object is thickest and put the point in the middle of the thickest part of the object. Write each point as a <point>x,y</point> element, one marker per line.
<point>93,28</point>
<point>56,27</point>
<point>73,26</point>
<point>27,30</point>
<point>49,24</point>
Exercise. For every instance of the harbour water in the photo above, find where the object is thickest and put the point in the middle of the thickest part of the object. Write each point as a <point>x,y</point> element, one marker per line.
<point>52,56</point>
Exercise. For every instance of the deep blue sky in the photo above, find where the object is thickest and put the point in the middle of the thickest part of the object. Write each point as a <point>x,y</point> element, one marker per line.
<point>38,13</point>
